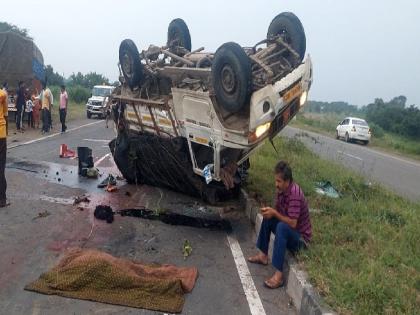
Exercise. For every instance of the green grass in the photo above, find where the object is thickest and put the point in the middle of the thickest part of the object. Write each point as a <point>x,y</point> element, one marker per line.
<point>365,253</point>
<point>75,111</point>
<point>327,123</point>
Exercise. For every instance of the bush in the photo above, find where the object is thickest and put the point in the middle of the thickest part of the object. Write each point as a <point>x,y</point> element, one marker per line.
<point>78,94</point>
<point>377,131</point>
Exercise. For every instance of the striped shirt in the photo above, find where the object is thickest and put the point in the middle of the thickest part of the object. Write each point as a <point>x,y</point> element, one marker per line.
<point>292,203</point>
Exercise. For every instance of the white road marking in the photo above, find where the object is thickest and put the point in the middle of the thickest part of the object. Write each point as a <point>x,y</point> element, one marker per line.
<point>96,140</point>
<point>101,159</point>
<point>52,135</point>
<point>350,155</point>
<point>251,293</point>
<point>63,201</point>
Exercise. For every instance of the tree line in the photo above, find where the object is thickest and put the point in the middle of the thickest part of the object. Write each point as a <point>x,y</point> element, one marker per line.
<point>79,85</point>
<point>393,116</point>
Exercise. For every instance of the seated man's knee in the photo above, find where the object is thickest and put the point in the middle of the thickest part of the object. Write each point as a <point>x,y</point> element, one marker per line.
<point>281,228</point>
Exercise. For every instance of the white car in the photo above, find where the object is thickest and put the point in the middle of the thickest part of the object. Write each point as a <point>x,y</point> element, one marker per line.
<point>352,128</point>
<point>96,104</point>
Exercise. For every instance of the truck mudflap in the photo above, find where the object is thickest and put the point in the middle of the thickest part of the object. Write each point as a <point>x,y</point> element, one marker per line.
<point>165,162</point>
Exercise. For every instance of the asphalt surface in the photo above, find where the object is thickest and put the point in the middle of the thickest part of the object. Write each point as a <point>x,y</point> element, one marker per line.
<point>400,175</point>
<point>42,223</point>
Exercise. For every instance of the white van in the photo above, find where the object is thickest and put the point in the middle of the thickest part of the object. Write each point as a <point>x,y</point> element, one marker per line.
<point>96,104</point>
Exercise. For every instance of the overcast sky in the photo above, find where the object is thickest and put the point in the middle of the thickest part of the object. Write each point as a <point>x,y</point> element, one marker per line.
<point>361,49</point>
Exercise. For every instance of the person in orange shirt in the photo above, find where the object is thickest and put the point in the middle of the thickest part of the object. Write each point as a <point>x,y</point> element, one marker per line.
<point>3,144</point>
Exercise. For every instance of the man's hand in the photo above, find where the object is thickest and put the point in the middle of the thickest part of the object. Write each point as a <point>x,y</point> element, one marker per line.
<point>268,212</point>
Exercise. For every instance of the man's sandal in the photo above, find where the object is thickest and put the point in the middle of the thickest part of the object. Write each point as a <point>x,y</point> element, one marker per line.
<point>273,285</point>
<point>257,260</point>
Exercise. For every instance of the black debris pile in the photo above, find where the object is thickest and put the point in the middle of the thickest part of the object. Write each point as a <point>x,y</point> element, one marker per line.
<point>104,213</point>
<point>178,219</point>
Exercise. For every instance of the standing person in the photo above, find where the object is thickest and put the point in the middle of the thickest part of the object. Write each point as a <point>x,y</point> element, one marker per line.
<point>20,106</point>
<point>289,221</point>
<point>29,110</point>
<point>3,144</point>
<point>64,99</point>
<point>50,111</point>
<point>36,109</point>
<point>46,101</point>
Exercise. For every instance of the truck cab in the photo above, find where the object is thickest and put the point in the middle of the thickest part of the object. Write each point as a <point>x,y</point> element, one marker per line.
<point>97,103</point>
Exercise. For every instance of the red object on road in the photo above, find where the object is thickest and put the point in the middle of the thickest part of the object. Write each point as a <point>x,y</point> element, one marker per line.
<point>65,152</point>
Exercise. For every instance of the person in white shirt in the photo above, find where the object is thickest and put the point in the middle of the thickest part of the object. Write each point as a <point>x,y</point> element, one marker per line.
<point>29,110</point>
<point>64,99</point>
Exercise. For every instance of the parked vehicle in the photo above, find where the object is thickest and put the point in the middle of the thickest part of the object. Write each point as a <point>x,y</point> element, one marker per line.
<point>20,60</point>
<point>189,119</point>
<point>97,103</point>
<point>352,128</point>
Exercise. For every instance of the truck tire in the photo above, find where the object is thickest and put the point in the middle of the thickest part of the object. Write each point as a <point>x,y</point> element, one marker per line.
<point>179,34</point>
<point>88,115</point>
<point>231,77</point>
<point>130,62</point>
<point>120,152</point>
<point>291,29</point>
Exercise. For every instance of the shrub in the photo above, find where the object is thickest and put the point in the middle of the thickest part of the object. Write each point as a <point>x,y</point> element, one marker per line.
<point>377,131</point>
<point>78,94</point>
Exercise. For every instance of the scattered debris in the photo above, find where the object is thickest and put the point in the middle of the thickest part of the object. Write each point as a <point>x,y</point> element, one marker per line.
<point>177,219</point>
<point>42,215</point>
<point>128,194</point>
<point>92,172</point>
<point>111,188</point>
<point>186,249</point>
<point>110,180</point>
<point>65,152</point>
<point>85,160</point>
<point>80,199</point>
<point>327,189</point>
<point>104,213</point>
<point>81,208</point>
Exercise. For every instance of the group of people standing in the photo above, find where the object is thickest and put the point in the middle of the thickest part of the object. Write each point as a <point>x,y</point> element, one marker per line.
<point>33,106</point>
<point>39,106</point>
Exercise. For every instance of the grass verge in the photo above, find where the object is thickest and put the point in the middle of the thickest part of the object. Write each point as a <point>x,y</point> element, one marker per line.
<point>327,123</point>
<point>75,111</point>
<point>365,253</point>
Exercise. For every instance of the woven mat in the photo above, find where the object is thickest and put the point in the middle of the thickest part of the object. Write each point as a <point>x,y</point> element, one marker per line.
<point>97,276</point>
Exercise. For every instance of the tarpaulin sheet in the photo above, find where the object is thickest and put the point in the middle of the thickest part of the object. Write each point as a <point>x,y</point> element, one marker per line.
<point>20,60</point>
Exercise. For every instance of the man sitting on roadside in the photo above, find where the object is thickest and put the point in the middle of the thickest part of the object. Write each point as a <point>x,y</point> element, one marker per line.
<point>289,222</point>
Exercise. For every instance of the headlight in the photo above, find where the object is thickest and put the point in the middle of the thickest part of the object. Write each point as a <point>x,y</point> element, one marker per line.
<point>303,98</point>
<point>261,129</point>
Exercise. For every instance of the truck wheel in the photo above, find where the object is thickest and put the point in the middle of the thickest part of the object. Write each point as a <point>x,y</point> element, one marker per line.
<point>347,137</point>
<point>130,62</point>
<point>88,115</point>
<point>119,149</point>
<point>289,27</point>
<point>231,77</point>
<point>179,34</point>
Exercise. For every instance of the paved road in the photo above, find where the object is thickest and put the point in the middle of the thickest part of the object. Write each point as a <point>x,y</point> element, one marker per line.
<point>400,175</point>
<point>38,181</point>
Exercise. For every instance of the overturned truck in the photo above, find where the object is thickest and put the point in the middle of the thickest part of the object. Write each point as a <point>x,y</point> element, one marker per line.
<point>188,119</point>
